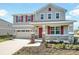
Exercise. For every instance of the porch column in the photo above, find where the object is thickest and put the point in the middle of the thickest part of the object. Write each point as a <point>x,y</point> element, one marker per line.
<point>44,30</point>
<point>71,33</point>
<point>70,28</point>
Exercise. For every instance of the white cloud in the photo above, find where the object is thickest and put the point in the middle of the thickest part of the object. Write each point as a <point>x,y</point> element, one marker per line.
<point>68,17</point>
<point>77,6</point>
<point>74,12</point>
<point>3,12</point>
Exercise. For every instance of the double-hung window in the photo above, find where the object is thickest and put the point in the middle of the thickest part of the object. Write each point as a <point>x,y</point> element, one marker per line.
<point>29,18</point>
<point>55,30</point>
<point>42,16</point>
<point>49,16</point>
<point>18,18</point>
<point>52,30</point>
<point>57,15</point>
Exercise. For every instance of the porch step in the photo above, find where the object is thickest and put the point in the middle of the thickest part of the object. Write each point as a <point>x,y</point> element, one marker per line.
<point>39,39</point>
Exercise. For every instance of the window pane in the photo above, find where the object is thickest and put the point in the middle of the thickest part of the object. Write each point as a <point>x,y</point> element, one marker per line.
<point>52,28</point>
<point>29,18</point>
<point>52,32</point>
<point>57,28</point>
<point>23,30</point>
<point>26,30</point>
<point>57,15</point>
<point>57,32</point>
<point>18,18</point>
<point>42,16</point>
<point>18,30</point>
<point>49,16</point>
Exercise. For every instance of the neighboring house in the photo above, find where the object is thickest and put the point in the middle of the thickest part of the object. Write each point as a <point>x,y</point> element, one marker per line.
<point>5,28</point>
<point>76,35</point>
<point>49,21</point>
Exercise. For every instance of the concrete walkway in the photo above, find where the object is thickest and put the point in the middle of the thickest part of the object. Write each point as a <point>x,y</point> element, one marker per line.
<point>11,46</point>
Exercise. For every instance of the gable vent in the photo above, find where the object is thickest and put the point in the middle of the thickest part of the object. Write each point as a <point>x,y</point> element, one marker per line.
<point>49,9</point>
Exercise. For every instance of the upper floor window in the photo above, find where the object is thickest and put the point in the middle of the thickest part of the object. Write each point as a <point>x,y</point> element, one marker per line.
<point>57,15</point>
<point>19,18</point>
<point>42,16</point>
<point>29,18</point>
<point>49,16</point>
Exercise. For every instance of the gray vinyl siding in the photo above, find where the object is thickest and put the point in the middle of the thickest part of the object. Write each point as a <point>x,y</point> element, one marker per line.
<point>5,27</point>
<point>54,10</point>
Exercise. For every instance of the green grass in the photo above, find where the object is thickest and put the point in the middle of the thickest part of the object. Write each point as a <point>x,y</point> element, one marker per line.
<point>4,38</point>
<point>1,40</point>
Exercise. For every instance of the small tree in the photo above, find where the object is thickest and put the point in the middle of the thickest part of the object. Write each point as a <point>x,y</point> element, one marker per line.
<point>32,38</point>
<point>43,39</point>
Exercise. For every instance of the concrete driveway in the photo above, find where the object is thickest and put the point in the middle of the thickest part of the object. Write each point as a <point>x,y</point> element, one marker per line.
<point>11,46</point>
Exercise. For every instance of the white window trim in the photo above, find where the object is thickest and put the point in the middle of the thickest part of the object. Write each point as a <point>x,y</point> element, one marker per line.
<point>57,35</point>
<point>51,16</point>
<point>56,30</point>
<point>29,18</point>
<point>59,16</point>
<point>19,19</point>
<point>44,16</point>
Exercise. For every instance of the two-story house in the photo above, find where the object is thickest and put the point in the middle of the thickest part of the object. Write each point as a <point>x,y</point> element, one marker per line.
<point>48,21</point>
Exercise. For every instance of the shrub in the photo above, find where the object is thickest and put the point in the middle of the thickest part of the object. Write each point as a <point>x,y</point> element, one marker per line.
<point>46,44</point>
<point>76,47</point>
<point>69,46</point>
<point>59,46</point>
<point>63,45</point>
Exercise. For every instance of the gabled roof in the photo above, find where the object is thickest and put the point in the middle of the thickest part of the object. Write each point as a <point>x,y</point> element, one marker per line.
<point>50,4</point>
<point>53,5</point>
<point>5,21</point>
<point>23,14</point>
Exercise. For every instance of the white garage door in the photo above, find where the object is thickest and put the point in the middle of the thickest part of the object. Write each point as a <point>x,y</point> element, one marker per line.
<point>23,34</point>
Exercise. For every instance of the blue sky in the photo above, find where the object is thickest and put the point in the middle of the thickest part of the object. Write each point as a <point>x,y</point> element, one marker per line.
<point>8,9</point>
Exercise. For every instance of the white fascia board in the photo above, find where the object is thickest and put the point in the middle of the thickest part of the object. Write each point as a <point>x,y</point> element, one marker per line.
<point>55,22</point>
<point>22,25</point>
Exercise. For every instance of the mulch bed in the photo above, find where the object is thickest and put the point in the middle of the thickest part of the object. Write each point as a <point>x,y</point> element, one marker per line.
<point>42,50</point>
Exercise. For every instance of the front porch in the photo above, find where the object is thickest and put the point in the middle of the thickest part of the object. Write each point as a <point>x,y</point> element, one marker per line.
<point>56,31</point>
<point>51,30</point>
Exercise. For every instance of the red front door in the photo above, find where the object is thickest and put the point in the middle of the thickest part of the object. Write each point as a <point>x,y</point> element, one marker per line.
<point>40,32</point>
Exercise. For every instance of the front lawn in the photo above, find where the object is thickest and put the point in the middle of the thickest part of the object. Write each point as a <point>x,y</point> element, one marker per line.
<point>5,38</point>
<point>55,49</point>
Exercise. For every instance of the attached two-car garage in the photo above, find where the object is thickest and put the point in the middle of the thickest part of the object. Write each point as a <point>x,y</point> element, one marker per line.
<point>23,33</point>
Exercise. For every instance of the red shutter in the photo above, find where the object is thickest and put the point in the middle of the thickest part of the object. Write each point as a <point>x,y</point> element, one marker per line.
<point>31,18</point>
<point>26,18</point>
<point>62,30</point>
<point>49,28</point>
<point>21,18</point>
<point>16,18</point>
